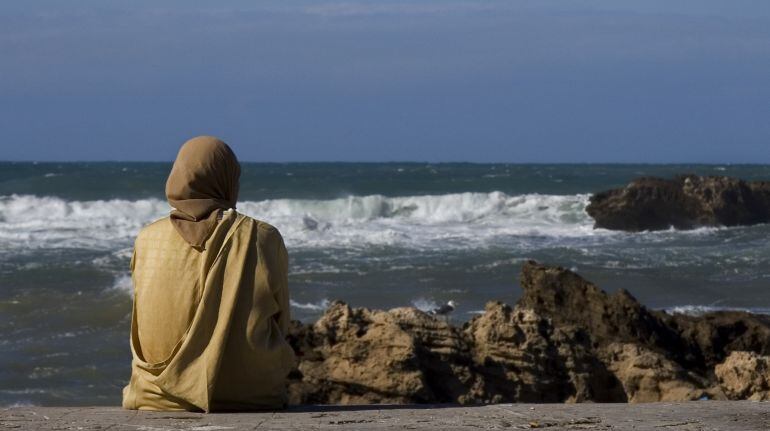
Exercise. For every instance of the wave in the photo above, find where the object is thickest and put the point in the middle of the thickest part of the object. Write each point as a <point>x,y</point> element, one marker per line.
<point>458,220</point>
<point>699,310</point>
<point>317,306</point>
<point>123,283</point>
<point>50,222</point>
<point>424,304</point>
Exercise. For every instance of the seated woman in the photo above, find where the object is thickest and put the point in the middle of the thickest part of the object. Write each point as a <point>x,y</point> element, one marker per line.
<point>211,301</point>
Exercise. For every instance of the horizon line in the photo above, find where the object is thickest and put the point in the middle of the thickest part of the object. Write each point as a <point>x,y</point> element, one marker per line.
<point>411,162</point>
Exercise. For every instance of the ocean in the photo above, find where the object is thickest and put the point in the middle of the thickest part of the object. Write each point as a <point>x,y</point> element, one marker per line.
<point>377,235</point>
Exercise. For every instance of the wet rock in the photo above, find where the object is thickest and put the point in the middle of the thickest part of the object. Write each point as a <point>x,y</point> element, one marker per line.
<point>685,202</point>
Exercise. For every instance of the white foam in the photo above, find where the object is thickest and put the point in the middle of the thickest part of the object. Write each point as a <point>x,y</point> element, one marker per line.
<point>49,222</point>
<point>424,304</point>
<point>699,310</point>
<point>123,283</point>
<point>463,220</point>
<point>460,220</point>
<point>318,306</point>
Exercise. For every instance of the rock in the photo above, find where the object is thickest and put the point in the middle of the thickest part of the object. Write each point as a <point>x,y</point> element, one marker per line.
<point>648,376</point>
<point>566,340</point>
<point>745,375</point>
<point>685,202</point>
<point>522,357</point>
<point>354,356</point>
<point>570,300</point>
<point>718,333</point>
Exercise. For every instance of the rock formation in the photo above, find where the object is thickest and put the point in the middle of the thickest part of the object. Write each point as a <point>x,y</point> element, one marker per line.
<point>566,340</point>
<point>745,375</point>
<point>713,336</point>
<point>354,356</point>
<point>685,202</point>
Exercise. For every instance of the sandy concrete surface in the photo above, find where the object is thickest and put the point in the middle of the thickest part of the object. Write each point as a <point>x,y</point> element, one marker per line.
<point>704,415</point>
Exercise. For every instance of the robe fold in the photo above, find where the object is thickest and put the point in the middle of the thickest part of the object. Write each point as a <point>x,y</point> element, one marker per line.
<point>209,323</point>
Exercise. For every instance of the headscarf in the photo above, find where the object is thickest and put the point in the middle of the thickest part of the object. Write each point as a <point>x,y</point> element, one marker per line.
<point>203,180</point>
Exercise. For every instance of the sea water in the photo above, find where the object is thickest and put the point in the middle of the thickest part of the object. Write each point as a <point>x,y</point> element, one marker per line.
<point>376,235</point>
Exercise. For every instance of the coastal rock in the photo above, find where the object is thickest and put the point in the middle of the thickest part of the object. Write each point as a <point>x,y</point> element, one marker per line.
<point>685,202</point>
<point>566,340</point>
<point>745,376</point>
<point>648,376</point>
<point>520,356</point>
<point>356,355</point>
<point>572,301</point>
<point>718,333</point>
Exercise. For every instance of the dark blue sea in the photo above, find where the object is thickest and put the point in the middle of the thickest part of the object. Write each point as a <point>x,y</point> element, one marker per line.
<point>372,234</point>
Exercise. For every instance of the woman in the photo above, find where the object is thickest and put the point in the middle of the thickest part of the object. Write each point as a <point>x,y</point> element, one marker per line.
<point>211,301</point>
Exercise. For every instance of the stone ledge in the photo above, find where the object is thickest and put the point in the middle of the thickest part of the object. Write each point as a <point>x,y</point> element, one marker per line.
<point>704,415</point>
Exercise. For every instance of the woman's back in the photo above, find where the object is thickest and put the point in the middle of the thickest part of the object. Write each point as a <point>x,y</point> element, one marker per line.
<point>210,317</point>
<point>167,288</point>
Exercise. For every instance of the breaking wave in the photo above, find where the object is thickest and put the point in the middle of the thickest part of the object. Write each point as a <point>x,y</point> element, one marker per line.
<point>460,220</point>
<point>311,306</point>
<point>699,310</point>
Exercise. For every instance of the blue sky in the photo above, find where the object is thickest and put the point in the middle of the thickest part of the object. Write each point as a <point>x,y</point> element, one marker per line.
<point>488,81</point>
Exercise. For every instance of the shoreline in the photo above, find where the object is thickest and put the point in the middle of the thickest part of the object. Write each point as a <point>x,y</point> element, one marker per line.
<point>722,415</point>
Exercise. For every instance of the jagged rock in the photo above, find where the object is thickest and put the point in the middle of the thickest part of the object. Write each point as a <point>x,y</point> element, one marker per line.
<point>566,340</point>
<point>522,357</point>
<point>685,202</point>
<point>745,375</point>
<point>355,355</point>
<point>570,300</point>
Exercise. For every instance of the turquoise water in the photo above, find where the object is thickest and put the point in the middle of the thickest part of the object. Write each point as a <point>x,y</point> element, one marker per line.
<point>376,235</point>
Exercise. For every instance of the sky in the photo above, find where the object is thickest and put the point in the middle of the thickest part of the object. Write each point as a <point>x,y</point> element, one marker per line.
<point>637,81</point>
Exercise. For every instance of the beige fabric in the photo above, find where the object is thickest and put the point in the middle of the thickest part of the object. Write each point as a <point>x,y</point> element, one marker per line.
<point>204,178</point>
<point>209,324</point>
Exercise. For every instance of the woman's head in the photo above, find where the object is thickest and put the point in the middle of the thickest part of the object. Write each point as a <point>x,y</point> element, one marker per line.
<point>204,178</point>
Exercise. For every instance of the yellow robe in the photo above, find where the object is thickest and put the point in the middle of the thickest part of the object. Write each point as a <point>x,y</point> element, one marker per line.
<point>208,327</point>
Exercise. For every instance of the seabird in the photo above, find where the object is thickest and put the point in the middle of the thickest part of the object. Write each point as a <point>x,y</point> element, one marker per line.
<point>445,309</point>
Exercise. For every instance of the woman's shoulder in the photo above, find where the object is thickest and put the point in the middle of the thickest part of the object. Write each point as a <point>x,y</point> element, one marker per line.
<point>265,231</point>
<point>156,227</point>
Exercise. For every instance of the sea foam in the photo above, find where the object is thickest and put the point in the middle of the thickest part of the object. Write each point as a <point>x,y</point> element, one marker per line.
<point>311,306</point>
<point>459,220</point>
<point>699,310</point>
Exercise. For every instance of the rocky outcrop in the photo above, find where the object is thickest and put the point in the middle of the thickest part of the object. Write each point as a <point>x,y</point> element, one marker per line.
<point>566,340</point>
<point>571,301</point>
<point>520,355</point>
<point>356,355</point>
<point>685,202</point>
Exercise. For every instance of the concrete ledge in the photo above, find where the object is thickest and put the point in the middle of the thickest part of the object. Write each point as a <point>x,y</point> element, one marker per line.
<point>704,415</point>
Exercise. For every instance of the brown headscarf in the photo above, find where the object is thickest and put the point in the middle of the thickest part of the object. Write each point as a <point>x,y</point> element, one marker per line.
<point>204,179</point>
